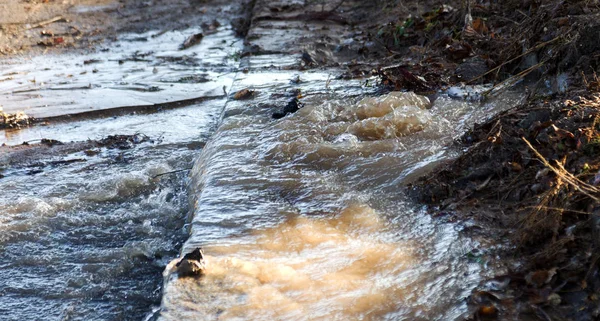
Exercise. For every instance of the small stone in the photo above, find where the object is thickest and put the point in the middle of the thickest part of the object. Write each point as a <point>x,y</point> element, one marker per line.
<point>554,299</point>
<point>192,264</point>
<point>292,106</point>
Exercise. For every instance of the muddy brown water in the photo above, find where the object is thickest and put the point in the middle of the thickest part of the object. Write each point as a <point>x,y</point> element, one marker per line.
<point>302,218</point>
<point>305,218</point>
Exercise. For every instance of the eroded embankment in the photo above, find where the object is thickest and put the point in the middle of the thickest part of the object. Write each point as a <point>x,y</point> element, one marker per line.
<point>530,174</point>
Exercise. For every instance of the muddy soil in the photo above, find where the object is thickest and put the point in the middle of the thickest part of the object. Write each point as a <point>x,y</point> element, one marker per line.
<point>529,175</point>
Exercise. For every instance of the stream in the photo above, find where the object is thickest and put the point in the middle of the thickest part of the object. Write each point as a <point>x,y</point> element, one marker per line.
<point>301,218</point>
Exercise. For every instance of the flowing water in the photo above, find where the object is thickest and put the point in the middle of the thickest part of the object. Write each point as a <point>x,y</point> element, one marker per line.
<point>88,241</point>
<point>306,219</point>
<point>302,218</point>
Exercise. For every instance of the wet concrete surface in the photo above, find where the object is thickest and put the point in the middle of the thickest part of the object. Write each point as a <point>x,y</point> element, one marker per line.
<point>129,74</point>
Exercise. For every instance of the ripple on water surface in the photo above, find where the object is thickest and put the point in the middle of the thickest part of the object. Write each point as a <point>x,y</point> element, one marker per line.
<point>89,240</point>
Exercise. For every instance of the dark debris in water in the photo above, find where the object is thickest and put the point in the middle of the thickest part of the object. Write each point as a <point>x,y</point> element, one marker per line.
<point>244,94</point>
<point>191,41</point>
<point>31,159</point>
<point>192,264</point>
<point>184,60</point>
<point>191,79</point>
<point>50,142</point>
<point>210,28</point>
<point>140,88</point>
<point>91,61</point>
<point>241,23</point>
<point>122,141</point>
<point>291,107</point>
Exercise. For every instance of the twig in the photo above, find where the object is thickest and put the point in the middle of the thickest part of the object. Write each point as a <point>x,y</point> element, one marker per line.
<point>512,80</point>
<point>560,210</point>
<point>560,171</point>
<point>172,172</point>
<point>515,58</point>
<point>46,22</point>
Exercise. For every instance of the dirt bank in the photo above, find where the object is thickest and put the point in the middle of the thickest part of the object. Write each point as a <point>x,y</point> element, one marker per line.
<point>529,175</point>
<point>29,27</point>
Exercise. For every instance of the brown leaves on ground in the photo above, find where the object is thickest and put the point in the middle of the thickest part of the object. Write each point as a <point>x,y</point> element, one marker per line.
<point>533,170</point>
<point>546,40</point>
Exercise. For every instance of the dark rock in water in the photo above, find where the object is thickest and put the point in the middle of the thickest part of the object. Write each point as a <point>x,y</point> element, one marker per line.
<point>292,106</point>
<point>191,41</point>
<point>197,255</point>
<point>210,28</point>
<point>192,264</point>
<point>241,24</point>
<point>122,141</point>
<point>253,49</point>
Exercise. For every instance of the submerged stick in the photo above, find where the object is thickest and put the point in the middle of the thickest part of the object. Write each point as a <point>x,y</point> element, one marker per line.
<point>172,172</point>
<point>46,22</point>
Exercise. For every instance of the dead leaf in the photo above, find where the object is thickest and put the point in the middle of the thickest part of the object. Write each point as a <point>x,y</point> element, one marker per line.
<point>541,277</point>
<point>480,27</point>
<point>562,133</point>
<point>458,50</point>
<point>244,94</point>
<point>515,166</point>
